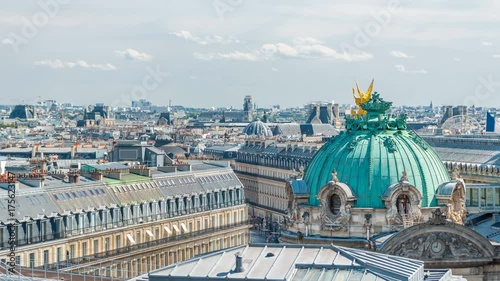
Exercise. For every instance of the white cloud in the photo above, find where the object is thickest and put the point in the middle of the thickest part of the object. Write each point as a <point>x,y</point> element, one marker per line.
<point>487,44</point>
<point>310,51</point>
<point>401,68</point>
<point>282,50</point>
<point>457,59</point>
<point>226,56</point>
<point>8,41</point>
<point>210,39</point>
<point>401,55</point>
<point>497,56</point>
<point>58,64</point>
<point>306,40</point>
<point>275,69</point>
<point>132,54</point>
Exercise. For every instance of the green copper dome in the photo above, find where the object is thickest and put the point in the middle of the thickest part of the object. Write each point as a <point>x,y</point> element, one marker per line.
<point>372,154</point>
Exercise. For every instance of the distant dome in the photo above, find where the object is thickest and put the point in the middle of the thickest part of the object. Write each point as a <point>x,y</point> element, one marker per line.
<point>373,153</point>
<point>258,128</point>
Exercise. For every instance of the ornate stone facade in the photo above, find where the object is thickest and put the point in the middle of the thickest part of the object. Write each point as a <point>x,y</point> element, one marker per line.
<point>375,177</point>
<point>441,243</point>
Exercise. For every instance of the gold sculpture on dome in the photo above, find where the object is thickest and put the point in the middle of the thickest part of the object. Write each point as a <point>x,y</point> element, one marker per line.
<point>361,98</point>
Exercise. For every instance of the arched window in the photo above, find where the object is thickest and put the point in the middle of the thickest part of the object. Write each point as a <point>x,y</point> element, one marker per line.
<point>403,204</point>
<point>335,203</point>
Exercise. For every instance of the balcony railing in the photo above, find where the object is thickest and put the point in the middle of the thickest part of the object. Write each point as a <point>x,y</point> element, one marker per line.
<point>75,261</point>
<point>67,232</point>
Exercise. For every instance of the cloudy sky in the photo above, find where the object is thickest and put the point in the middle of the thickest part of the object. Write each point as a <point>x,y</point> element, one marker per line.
<point>213,53</point>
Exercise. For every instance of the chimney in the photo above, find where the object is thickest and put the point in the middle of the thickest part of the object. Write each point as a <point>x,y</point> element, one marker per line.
<point>73,151</point>
<point>239,263</point>
<point>73,178</point>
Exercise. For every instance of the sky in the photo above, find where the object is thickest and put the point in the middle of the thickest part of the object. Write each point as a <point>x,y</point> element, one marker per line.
<point>211,53</point>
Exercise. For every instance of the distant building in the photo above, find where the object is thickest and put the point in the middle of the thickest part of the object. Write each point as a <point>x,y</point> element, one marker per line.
<point>450,111</point>
<point>141,103</point>
<point>137,151</point>
<point>225,116</point>
<point>166,118</point>
<point>324,113</point>
<point>265,167</point>
<point>222,152</point>
<point>73,152</point>
<point>23,112</point>
<point>492,123</point>
<point>290,130</point>
<point>248,109</point>
<point>98,115</point>
<point>258,129</point>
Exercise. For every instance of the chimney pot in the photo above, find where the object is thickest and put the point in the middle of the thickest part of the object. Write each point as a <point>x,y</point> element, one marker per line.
<point>239,263</point>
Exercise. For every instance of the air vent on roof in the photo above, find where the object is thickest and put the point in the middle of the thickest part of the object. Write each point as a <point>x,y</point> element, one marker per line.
<point>239,263</point>
<point>268,255</point>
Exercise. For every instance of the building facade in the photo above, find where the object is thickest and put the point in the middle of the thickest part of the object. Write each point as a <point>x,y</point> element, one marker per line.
<point>102,223</point>
<point>264,167</point>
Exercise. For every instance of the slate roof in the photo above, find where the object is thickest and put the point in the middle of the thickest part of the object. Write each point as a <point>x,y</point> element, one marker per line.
<point>468,150</point>
<point>58,196</point>
<point>293,262</point>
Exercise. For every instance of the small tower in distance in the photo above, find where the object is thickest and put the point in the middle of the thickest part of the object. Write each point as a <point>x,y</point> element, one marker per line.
<point>248,109</point>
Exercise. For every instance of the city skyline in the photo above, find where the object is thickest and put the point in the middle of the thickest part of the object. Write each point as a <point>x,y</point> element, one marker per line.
<point>211,54</point>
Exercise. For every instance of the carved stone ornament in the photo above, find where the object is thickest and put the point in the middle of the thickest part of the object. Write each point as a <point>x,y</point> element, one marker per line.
<point>352,144</point>
<point>334,178</point>
<point>376,104</point>
<point>392,217</point>
<point>390,144</point>
<point>341,217</point>
<point>404,177</point>
<point>293,212</point>
<point>334,222</point>
<point>438,218</point>
<point>438,246</point>
<point>403,188</point>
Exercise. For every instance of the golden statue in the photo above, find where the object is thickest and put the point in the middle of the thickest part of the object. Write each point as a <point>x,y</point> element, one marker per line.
<point>361,98</point>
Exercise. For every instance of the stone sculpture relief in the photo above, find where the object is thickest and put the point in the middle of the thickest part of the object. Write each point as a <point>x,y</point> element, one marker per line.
<point>332,221</point>
<point>392,217</point>
<point>438,246</point>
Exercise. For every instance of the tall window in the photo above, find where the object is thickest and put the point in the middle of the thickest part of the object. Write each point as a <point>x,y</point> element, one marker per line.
<point>118,242</point>
<point>45,258</point>
<point>72,251</point>
<point>84,249</point>
<point>59,254</point>
<point>96,246</point>
<point>403,204</point>
<point>32,260</point>
<point>335,203</point>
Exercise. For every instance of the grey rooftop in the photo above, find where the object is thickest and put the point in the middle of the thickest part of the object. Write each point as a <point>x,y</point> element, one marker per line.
<point>293,262</point>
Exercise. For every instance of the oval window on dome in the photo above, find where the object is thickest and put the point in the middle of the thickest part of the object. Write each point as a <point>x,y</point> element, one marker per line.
<point>335,203</point>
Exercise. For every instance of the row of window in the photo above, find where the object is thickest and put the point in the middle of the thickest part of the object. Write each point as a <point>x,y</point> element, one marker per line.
<point>131,267</point>
<point>80,223</point>
<point>266,172</point>
<point>79,194</point>
<point>483,197</point>
<point>135,187</point>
